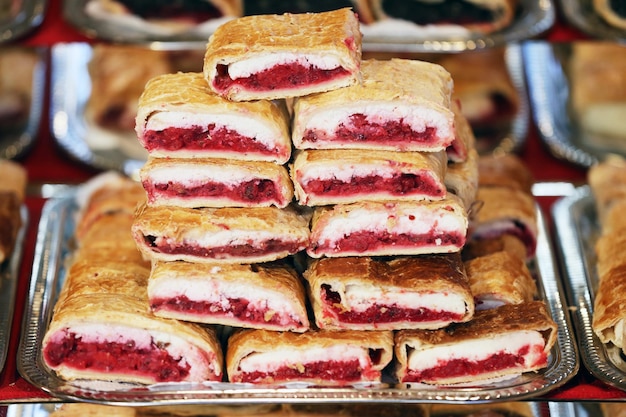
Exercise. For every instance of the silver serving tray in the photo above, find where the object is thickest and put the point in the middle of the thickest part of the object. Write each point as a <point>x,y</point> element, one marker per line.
<point>582,15</point>
<point>27,16</point>
<point>534,18</point>
<point>9,275</point>
<point>548,88</point>
<point>55,234</point>
<point>577,229</point>
<point>17,142</point>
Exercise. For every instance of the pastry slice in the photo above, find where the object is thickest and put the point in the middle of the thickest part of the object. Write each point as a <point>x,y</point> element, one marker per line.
<point>316,357</point>
<point>362,293</point>
<point>343,176</point>
<point>401,104</point>
<point>612,12</point>
<point>500,342</point>
<point>481,16</point>
<point>500,278</point>
<point>231,235</point>
<point>179,116</point>
<point>213,182</point>
<point>389,228</point>
<point>505,210</point>
<point>505,170</point>
<point>609,314</point>
<point>486,246</point>
<point>263,296</point>
<point>288,55</point>
<point>464,140</point>
<point>462,179</point>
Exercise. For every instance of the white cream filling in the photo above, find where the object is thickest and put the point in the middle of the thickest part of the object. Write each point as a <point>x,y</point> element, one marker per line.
<point>344,172</point>
<point>177,348</point>
<point>417,117</point>
<point>477,350</point>
<point>418,221</point>
<point>219,293</point>
<point>360,298</point>
<point>193,175</point>
<point>217,238</point>
<point>259,63</point>
<point>245,126</point>
<point>291,357</point>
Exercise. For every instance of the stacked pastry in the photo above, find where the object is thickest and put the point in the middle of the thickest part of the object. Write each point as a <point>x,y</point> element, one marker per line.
<point>101,327</point>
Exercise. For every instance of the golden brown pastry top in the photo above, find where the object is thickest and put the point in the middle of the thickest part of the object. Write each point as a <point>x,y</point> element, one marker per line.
<point>608,307</point>
<point>506,170</point>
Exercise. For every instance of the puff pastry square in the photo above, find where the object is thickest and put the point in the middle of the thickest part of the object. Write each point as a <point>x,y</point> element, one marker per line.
<point>389,228</point>
<point>401,104</point>
<point>179,116</point>
<point>363,293</point>
<point>229,235</point>
<point>500,278</point>
<point>210,182</point>
<point>503,341</point>
<point>343,176</point>
<point>279,56</point>
<point>316,357</point>
<point>264,296</point>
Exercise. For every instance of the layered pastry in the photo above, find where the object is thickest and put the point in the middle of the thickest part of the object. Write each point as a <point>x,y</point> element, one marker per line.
<point>461,179</point>
<point>362,293</point>
<point>361,7</point>
<point>505,210</point>
<point>609,316</point>
<point>388,228</point>
<point>505,170</point>
<point>500,342</point>
<point>612,11</point>
<point>464,138</point>
<point>212,182</point>
<point>12,190</point>
<point>263,296</point>
<point>230,235</point>
<point>316,357</point>
<point>179,116</point>
<point>500,278</point>
<point>486,246</point>
<point>164,18</point>
<point>343,176</point>
<point>485,92</point>
<point>289,55</point>
<point>597,73</point>
<point>481,16</point>
<point>401,104</point>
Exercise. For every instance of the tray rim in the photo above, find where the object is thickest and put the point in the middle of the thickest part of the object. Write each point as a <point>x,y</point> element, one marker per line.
<point>594,354</point>
<point>540,16</point>
<point>47,262</point>
<point>10,274</point>
<point>582,15</point>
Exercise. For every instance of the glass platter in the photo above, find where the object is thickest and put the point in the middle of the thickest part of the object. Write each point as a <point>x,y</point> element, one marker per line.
<point>577,230</point>
<point>548,89</point>
<point>582,15</point>
<point>15,141</point>
<point>9,274</point>
<point>22,17</point>
<point>533,18</point>
<point>54,238</point>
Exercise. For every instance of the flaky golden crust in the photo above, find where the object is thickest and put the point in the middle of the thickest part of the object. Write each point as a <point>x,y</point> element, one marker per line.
<point>178,226</point>
<point>486,246</point>
<point>421,275</point>
<point>503,11</point>
<point>462,179</point>
<point>404,82</point>
<point>248,342</point>
<point>279,280</point>
<point>427,165</point>
<point>505,170</point>
<point>609,312</point>
<point>189,93</point>
<point>501,276</point>
<point>606,11</point>
<point>190,173</point>
<point>327,34</point>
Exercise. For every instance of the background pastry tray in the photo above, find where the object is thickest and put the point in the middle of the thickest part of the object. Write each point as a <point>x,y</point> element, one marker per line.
<point>548,88</point>
<point>581,14</point>
<point>531,19</point>
<point>9,274</point>
<point>577,229</point>
<point>53,245</point>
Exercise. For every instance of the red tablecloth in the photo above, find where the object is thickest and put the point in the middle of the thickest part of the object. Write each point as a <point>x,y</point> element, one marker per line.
<point>47,163</point>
